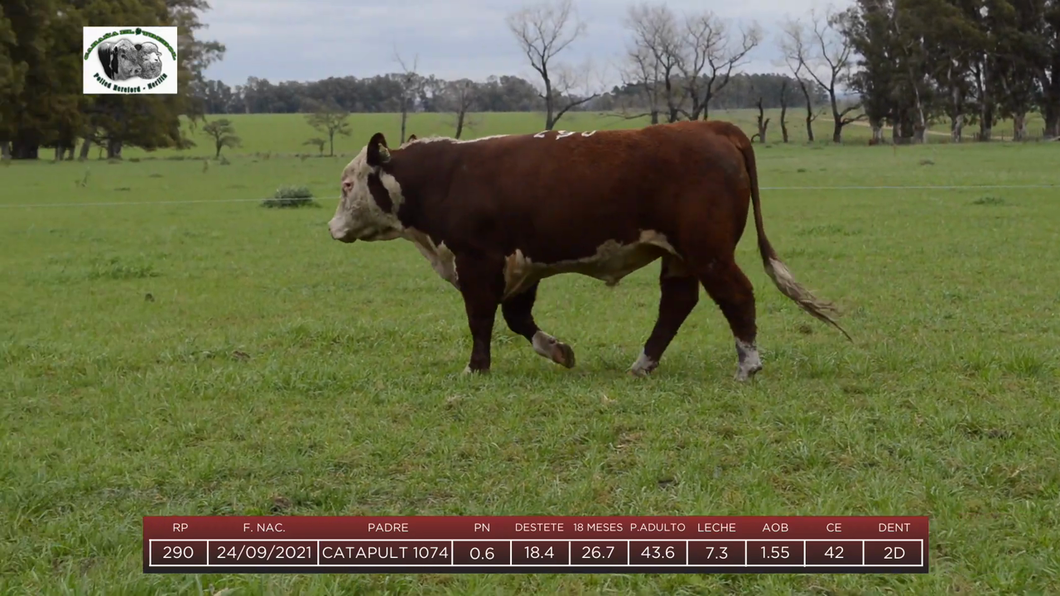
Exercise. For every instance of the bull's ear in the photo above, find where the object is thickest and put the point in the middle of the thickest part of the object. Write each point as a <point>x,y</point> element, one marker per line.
<point>378,153</point>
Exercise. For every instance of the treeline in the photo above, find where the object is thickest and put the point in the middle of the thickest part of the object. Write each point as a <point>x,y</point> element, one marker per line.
<point>741,92</point>
<point>376,94</point>
<point>41,100</point>
<point>910,62</point>
<point>965,62</point>
<point>383,93</point>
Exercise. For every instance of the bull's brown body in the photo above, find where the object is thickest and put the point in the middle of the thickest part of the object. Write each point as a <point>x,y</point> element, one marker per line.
<point>497,215</point>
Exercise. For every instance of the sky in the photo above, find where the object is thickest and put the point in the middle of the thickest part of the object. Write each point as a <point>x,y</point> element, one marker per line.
<point>307,40</point>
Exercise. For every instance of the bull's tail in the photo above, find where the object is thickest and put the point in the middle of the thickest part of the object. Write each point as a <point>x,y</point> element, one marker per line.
<point>775,268</point>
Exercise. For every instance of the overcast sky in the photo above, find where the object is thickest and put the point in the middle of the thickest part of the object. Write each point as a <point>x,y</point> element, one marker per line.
<point>314,39</point>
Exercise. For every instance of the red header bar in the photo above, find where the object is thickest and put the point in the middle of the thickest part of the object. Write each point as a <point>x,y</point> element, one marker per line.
<point>537,527</point>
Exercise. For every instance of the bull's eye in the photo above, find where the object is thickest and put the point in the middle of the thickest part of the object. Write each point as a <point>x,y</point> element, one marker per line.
<point>347,186</point>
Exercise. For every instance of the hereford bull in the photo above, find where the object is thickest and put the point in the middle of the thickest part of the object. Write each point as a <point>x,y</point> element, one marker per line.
<point>496,215</point>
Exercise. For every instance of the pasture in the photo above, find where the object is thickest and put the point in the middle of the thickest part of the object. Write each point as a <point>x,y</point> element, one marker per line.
<point>169,347</point>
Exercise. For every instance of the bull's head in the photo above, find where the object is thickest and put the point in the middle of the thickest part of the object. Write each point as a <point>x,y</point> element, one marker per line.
<point>371,197</point>
<point>150,60</point>
<point>128,64</point>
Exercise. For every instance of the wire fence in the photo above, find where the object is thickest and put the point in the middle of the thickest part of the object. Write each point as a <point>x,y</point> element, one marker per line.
<point>763,188</point>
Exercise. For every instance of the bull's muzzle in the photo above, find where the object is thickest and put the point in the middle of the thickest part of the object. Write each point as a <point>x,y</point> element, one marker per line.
<point>340,231</point>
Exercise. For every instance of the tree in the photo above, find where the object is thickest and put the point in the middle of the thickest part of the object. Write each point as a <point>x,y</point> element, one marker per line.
<point>412,85</point>
<point>41,102</point>
<point>890,76</point>
<point>952,41</point>
<point>12,78</point>
<point>318,143</point>
<point>1049,69</point>
<point>785,98</point>
<point>763,123</point>
<point>833,53</point>
<point>330,119</point>
<point>710,55</point>
<point>913,85</point>
<point>223,133</point>
<point>653,58</point>
<point>542,31</point>
<point>195,54</point>
<point>459,97</point>
<point>30,37</point>
<point>1024,48</point>
<point>793,44</point>
<point>827,59</point>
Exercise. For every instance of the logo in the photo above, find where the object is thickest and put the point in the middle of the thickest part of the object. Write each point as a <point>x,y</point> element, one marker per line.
<point>140,60</point>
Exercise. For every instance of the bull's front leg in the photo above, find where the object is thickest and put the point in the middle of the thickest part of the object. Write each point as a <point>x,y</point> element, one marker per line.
<point>482,285</point>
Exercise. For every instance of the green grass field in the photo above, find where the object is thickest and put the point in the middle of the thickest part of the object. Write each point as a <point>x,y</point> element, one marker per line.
<point>277,371</point>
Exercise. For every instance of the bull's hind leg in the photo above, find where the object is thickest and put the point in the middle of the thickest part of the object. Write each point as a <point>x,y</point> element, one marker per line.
<point>518,313</point>
<point>680,293</point>
<point>734,294</point>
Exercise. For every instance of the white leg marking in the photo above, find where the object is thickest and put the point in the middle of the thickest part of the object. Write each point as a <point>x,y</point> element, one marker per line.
<point>543,343</point>
<point>553,349</point>
<point>467,369</point>
<point>643,366</point>
<point>749,362</point>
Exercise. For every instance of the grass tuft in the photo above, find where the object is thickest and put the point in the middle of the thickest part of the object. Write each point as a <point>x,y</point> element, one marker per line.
<point>291,196</point>
<point>989,201</point>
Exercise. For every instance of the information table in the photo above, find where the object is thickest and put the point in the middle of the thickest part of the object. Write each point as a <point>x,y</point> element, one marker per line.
<point>535,544</point>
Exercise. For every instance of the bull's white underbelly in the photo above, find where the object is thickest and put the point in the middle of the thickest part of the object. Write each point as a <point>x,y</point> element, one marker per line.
<point>611,263</point>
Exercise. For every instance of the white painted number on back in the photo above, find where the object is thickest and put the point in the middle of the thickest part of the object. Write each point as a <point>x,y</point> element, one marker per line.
<point>563,133</point>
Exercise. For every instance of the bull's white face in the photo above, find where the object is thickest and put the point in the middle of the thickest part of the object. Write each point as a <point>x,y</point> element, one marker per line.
<point>128,60</point>
<point>150,61</point>
<point>359,216</point>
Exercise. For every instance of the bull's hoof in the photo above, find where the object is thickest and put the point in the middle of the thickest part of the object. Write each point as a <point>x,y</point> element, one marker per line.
<point>562,354</point>
<point>553,349</point>
<point>746,374</point>
<point>643,367</point>
<point>749,362</point>
<point>468,370</point>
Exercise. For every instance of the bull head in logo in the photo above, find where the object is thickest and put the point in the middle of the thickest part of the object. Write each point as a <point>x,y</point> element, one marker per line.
<point>150,59</point>
<point>122,59</point>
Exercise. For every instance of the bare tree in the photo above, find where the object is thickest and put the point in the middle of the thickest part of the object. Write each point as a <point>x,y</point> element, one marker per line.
<point>785,99</point>
<point>412,85</point>
<point>711,54</point>
<point>793,44</point>
<point>763,123</point>
<point>641,72</point>
<point>459,97</point>
<point>542,32</point>
<point>653,58</point>
<point>829,62</point>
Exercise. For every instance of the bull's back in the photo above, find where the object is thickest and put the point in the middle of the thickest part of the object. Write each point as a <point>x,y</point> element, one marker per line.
<point>614,174</point>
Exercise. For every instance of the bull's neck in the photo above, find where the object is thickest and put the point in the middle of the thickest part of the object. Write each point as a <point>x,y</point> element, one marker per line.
<point>423,172</point>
